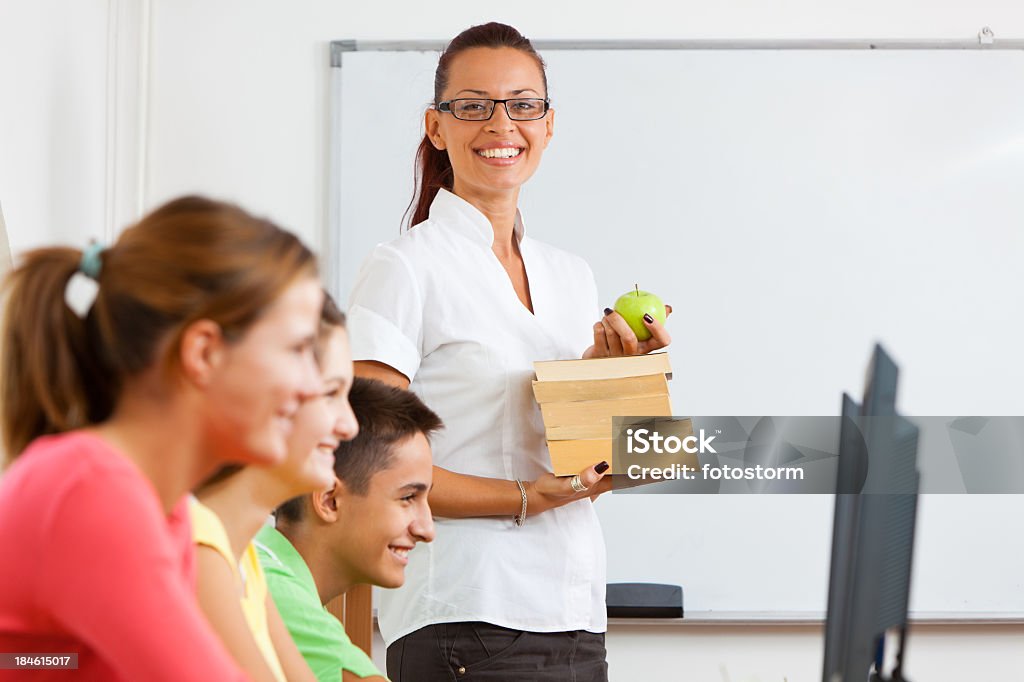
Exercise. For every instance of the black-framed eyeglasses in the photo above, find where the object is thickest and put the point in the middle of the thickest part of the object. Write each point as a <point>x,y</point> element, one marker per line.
<point>519,109</point>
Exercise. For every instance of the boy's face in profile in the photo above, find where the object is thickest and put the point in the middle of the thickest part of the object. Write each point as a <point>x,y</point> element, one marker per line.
<point>375,532</point>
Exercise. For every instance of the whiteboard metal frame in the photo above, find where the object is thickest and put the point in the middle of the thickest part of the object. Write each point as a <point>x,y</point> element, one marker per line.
<point>332,241</point>
<point>339,47</point>
<point>800,618</point>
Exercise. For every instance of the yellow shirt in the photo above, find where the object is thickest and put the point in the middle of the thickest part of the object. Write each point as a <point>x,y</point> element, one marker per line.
<point>208,530</point>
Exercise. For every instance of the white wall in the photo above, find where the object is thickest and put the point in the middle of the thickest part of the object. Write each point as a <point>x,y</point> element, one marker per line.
<point>110,106</point>
<point>794,653</point>
<point>106,107</point>
<point>53,106</point>
<point>230,95</point>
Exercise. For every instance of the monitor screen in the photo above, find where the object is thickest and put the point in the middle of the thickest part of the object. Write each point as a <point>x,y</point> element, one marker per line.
<point>872,531</point>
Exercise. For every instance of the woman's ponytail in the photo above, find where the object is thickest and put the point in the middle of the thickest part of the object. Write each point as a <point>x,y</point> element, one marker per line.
<point>49,376</point>
<point>433,172</point>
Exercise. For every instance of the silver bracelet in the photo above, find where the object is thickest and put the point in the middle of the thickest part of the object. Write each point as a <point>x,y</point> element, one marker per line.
<point>521,518</point>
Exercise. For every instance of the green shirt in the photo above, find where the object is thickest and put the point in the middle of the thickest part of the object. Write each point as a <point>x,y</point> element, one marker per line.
<point>319,635</point>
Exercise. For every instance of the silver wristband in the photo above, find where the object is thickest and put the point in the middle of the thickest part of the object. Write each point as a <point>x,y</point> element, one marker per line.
<point>521,518</point>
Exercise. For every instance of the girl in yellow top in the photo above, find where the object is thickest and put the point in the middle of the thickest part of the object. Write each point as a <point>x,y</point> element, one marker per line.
<point>235,503</point>
<point>210,535</point>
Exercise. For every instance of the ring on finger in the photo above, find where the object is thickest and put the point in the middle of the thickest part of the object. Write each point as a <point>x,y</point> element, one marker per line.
<point>577,484</point>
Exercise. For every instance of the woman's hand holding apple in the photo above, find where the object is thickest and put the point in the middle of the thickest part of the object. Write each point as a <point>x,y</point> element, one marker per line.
<point>614,335</point>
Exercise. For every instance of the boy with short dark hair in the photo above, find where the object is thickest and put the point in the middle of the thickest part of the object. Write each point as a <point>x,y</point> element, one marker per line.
<point>359,531</point>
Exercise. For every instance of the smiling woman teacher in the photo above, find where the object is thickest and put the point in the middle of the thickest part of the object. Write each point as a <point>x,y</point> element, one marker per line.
<point>457,309</point>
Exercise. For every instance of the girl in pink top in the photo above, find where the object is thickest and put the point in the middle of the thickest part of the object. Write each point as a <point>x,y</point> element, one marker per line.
<point>197,351</point>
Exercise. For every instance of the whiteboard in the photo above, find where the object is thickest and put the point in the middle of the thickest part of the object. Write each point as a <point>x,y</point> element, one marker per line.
<point>794,206</point>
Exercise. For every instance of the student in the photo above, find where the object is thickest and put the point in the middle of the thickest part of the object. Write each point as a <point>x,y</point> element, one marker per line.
<point>457,309</point>
<point>233,506</point>
<point>358,531</point>
<point>197,351</point>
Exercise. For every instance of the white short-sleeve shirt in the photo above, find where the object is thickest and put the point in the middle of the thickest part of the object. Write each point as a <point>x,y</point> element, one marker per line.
<point>437,305</point>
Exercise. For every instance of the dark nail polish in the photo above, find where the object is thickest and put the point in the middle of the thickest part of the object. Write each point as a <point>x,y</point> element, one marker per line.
<point>601,468</point>
<point>648,319</point>
<point>607,311</point>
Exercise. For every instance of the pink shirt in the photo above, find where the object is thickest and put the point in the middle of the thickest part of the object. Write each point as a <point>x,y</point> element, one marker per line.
<point>91,564</point>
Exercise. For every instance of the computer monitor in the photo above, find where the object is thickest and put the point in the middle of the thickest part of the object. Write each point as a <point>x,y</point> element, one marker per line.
<point>872,531</point>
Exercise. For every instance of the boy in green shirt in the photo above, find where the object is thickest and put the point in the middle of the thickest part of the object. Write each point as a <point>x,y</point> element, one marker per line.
<point>357,532</point>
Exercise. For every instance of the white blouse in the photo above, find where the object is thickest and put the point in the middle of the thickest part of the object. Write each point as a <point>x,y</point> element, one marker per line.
<point>437,305</point>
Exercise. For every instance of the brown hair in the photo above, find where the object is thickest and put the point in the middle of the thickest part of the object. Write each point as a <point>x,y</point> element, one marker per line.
<point>190,259</point>
<point>331,318</point>
<point>386,415</point>
<point>433,168</point>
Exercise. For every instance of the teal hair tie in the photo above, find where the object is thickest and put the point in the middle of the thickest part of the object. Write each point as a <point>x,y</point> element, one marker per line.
<point>91,263</point>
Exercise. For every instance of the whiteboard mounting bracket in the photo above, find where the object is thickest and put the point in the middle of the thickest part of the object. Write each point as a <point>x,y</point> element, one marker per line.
<point>986,36</point>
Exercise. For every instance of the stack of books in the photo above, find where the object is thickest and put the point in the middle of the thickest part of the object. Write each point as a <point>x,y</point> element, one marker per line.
<point>578,399</point>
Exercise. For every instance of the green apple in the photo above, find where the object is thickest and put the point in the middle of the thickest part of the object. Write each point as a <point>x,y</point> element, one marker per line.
<point>632,305</point>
